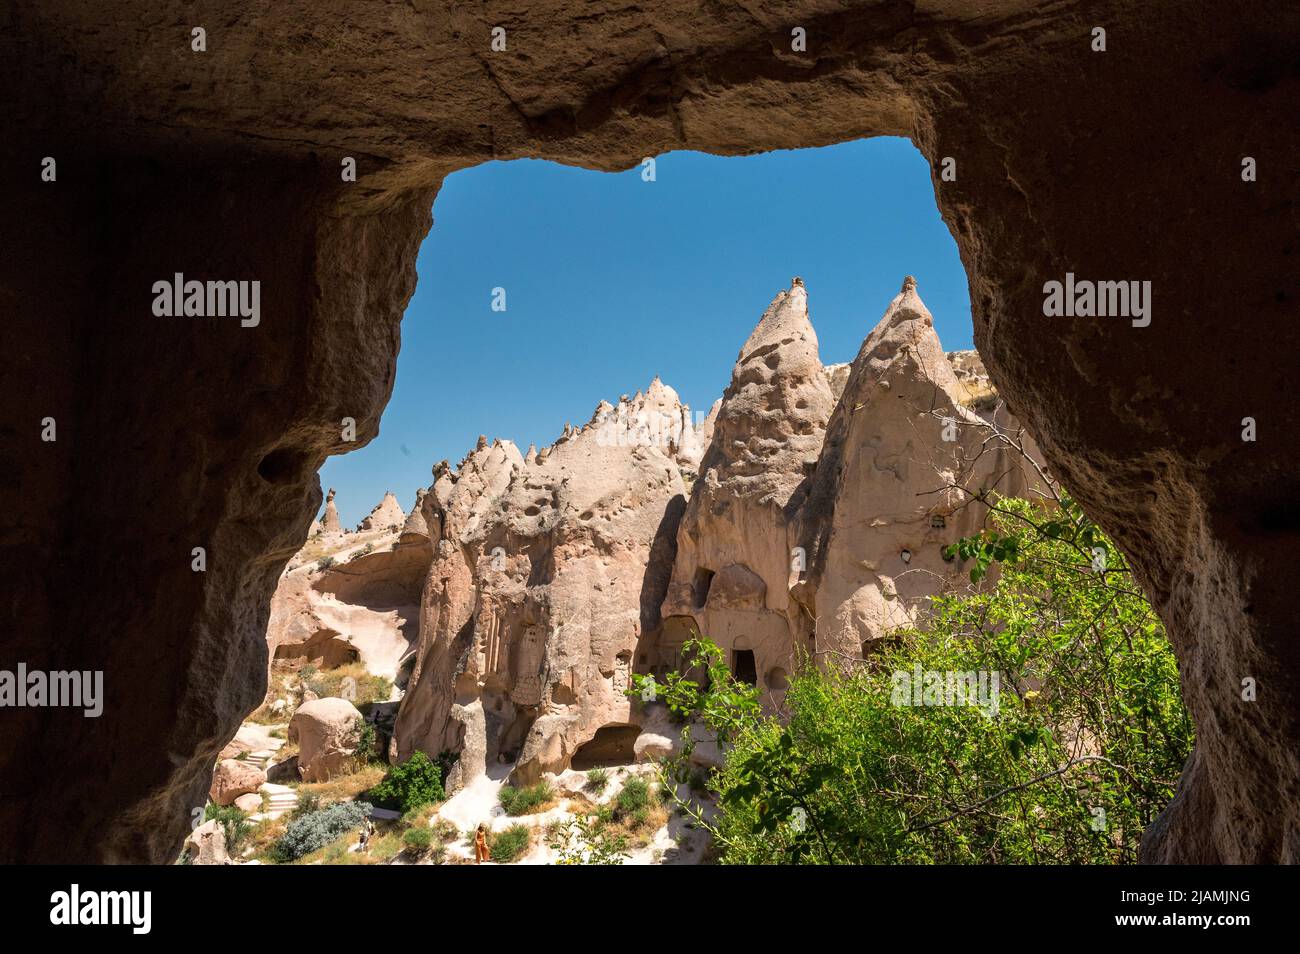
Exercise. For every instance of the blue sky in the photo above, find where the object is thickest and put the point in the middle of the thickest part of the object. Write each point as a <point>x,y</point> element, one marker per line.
<point>611,280</point>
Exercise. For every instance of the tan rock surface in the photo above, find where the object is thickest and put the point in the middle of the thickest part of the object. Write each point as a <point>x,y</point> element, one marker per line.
<point>539,591</point>
<point>331,522</point>
<point>386,515</point>
<point>895,483</point>
<point>233,778</point>
<point>365,607</point>
<point>250,803</point>
<point>812,532</point>
<point>732,568</point>
<point>326,731</point>
<point>206,844</point>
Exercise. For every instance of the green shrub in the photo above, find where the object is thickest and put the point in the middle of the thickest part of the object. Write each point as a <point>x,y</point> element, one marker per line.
<point>324,563</point>
<point>234,824</point>
<point>418,839</point>
<point>367,747</point>
<point>634,797</point>
<point>510,844</point>
<point>308,802</point>
<point>416,782</point>
<point>525,801</point>
<point>597,779</point>
<point>1068,762</point>
<point>312,832</point>
<point>583,841</point>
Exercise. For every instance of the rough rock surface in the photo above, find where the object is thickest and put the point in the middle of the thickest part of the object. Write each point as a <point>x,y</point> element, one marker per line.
<point>731,574</point>
<point>331,522</point>
<point>363,608</point>
<point>386,515</point>
<point>817,523</point>
<point>174,434</point>
<point>548,569</point>
<point>895,483</point>
<point>233,778</point>
<point>250,803</point>
<point>326,731</point>
<point>206,845</point>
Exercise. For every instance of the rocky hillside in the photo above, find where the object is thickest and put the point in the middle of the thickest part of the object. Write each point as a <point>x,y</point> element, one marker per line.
<point>803,518</point>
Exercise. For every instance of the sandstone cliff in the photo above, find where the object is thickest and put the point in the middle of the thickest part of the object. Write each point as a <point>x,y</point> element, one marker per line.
<point>824,503</point>
<point>352,597</point>
<point>802,519</point>
<point>548,570</point>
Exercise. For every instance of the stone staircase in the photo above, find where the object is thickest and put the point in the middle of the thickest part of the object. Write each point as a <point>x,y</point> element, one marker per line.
<point>280,799</point>
<point>261,758</point>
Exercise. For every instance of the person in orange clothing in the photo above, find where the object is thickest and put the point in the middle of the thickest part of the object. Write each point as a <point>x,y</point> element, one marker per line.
<point>481,852</point>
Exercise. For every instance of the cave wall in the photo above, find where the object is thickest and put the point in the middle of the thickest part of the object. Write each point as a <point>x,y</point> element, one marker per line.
<point>175,433</point>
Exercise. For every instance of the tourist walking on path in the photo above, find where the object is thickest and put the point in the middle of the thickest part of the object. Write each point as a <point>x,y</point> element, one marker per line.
<point>481,852</point>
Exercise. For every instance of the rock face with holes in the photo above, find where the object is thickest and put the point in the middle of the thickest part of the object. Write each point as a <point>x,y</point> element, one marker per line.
<point>226,165</point>
<point>731,576</point>
<point>823,504</point>
<point>908,451</point>
<point>548,571</point>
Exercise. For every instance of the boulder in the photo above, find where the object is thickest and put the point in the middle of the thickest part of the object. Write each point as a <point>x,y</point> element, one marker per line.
<point>650,747</point>
<point>233,778</point>
<point>327,731</point>
<point>206,845</point>
<point>286,771</point>
<point>250,803</point>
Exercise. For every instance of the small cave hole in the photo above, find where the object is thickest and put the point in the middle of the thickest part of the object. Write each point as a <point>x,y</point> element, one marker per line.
<point>700,585</point>
<point>282,466</point>
<point>743,666</point>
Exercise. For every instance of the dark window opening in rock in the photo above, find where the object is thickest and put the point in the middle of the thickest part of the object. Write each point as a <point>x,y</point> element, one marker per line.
<point>700,586</point>
<point>743,666</point>
<point>938,522</point>
<point>610,746</point>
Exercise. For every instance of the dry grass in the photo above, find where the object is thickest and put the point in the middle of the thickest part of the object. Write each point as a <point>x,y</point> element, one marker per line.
<point>638,828</point>
<point>344,788</point>
<point>639,833</point>
<point>264,836</point>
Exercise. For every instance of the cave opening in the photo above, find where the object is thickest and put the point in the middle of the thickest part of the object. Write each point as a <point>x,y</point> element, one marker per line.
<point>612,745</point>
<point>743,666</point>
<point>983,104</point>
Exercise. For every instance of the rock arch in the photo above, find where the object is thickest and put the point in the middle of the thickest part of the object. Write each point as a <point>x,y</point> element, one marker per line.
<point>225,165</point>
